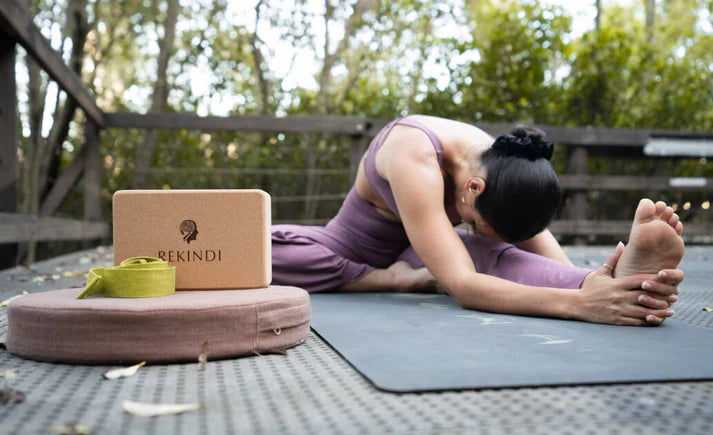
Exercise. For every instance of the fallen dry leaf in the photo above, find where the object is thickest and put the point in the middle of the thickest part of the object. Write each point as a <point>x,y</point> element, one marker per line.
<point>7,301</point>
<point>123,372</point>
<point>142,409</point>
<point>73,274</point>
<point>71,429</point>
<point>9,374</point>
<point>203,357</point>
<point>271,352</point>
<point>8,395</point>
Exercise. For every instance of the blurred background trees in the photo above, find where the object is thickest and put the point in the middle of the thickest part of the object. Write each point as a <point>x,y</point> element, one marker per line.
<point>639,64</point>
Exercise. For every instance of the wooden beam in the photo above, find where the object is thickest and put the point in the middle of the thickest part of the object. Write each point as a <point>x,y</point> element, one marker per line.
<point>581,136</point>
<point>92,174</point>
<point>573,136</point>
<point>299,198</point>
<point>246,171</point>
<point>595,136</point>
<point>8,126</point>
<point>26,228</point>
<point>590,227</point>
<point>619,228</point>
<point>358,146</point>
<point>624,182</point>
<point>64,184</point>
<point>598,136</point>
<point>682,134</point>
<point>16,18</point>
<point>250,123</point>
<point>578,206</point>
<point>8,141</point>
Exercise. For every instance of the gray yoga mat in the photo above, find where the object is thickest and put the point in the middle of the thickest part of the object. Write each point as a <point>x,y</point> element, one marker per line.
<point>425,342</point>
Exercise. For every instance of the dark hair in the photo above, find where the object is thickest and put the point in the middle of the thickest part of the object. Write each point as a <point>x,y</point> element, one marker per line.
<point>522,192</point>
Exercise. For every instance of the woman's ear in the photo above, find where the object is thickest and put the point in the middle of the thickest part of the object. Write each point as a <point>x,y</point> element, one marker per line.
<point>476,186</point>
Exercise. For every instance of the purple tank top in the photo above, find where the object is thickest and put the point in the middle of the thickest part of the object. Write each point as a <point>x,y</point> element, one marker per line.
<point>358,231</point>
<point>380,184</point>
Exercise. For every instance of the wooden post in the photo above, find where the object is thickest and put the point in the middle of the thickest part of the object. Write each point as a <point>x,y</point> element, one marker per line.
<point>92,173</point>
<point>8,141</point>
<point>358,147</point>
<point>578,206</point>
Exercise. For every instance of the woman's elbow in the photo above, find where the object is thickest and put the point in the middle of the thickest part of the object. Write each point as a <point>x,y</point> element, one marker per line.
<point>461,292</point>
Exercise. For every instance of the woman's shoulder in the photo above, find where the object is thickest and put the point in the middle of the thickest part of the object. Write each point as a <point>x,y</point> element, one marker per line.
<point>451,130</point>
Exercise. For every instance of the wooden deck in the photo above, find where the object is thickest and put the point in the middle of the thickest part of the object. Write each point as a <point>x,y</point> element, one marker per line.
<point>313,390</point>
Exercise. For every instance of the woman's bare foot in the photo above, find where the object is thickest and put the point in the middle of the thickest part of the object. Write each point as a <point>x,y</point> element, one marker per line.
<point>655,241</point>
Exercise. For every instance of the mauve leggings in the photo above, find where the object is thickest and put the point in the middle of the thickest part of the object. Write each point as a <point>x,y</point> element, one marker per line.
<point>512,263</point>
<point>359,239</point>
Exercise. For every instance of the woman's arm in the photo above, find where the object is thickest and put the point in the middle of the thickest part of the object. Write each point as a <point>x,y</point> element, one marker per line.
<point>546,245</point>
<point>416,181</point>
<point>602,298</point>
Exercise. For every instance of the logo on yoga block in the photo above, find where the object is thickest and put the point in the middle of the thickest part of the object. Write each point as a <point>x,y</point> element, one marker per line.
<point>189,230</point>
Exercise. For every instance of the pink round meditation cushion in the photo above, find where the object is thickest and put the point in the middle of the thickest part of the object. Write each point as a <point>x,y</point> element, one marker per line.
<point>54,326</point>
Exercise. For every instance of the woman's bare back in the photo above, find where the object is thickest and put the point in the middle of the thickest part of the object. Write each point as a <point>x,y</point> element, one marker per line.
<point>453,135</point>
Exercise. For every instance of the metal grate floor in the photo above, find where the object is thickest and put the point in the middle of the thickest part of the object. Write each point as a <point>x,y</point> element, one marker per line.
<point>313,390</point>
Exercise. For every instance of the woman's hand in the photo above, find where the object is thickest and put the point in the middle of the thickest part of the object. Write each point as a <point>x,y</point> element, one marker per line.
<point>635,300</point>
<point>661,292</point>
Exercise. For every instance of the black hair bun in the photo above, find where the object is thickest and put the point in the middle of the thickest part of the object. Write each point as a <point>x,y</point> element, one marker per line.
<point>524,142</point>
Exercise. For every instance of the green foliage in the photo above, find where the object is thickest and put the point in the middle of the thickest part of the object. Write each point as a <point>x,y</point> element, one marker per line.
<point>519,45</point>
<point>474,60</point>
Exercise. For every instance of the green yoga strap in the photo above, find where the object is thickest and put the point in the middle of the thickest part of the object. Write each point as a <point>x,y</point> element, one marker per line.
<point>136,277</point>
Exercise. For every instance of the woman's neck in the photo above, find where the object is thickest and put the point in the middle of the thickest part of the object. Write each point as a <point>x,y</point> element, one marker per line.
<point>460,161</point>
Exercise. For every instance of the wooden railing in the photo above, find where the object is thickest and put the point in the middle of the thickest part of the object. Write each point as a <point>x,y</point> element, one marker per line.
<point>18,28</point>
<point>579,143</point>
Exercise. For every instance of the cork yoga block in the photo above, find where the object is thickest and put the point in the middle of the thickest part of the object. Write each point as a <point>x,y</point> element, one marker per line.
<point>217,239</point>
<point>55,326</point>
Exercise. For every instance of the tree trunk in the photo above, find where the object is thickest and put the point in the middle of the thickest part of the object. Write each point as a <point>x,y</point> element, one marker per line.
<point>426,29</point>
<point>312,183</point>
<point>598,16</point>
<point>34,144</point>
<point>43,157</point>
<point>34,152</point>
<point>264,102</point>
<point>145,151</point>
<point>650,17</point>
<point>325,98</point>
<point>76,27</point>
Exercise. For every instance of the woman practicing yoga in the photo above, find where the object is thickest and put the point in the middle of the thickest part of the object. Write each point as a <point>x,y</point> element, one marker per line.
<point>421,176</point>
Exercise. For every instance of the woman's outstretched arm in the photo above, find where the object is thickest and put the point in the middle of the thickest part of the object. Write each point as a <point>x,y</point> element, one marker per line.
<point>418,187</point>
